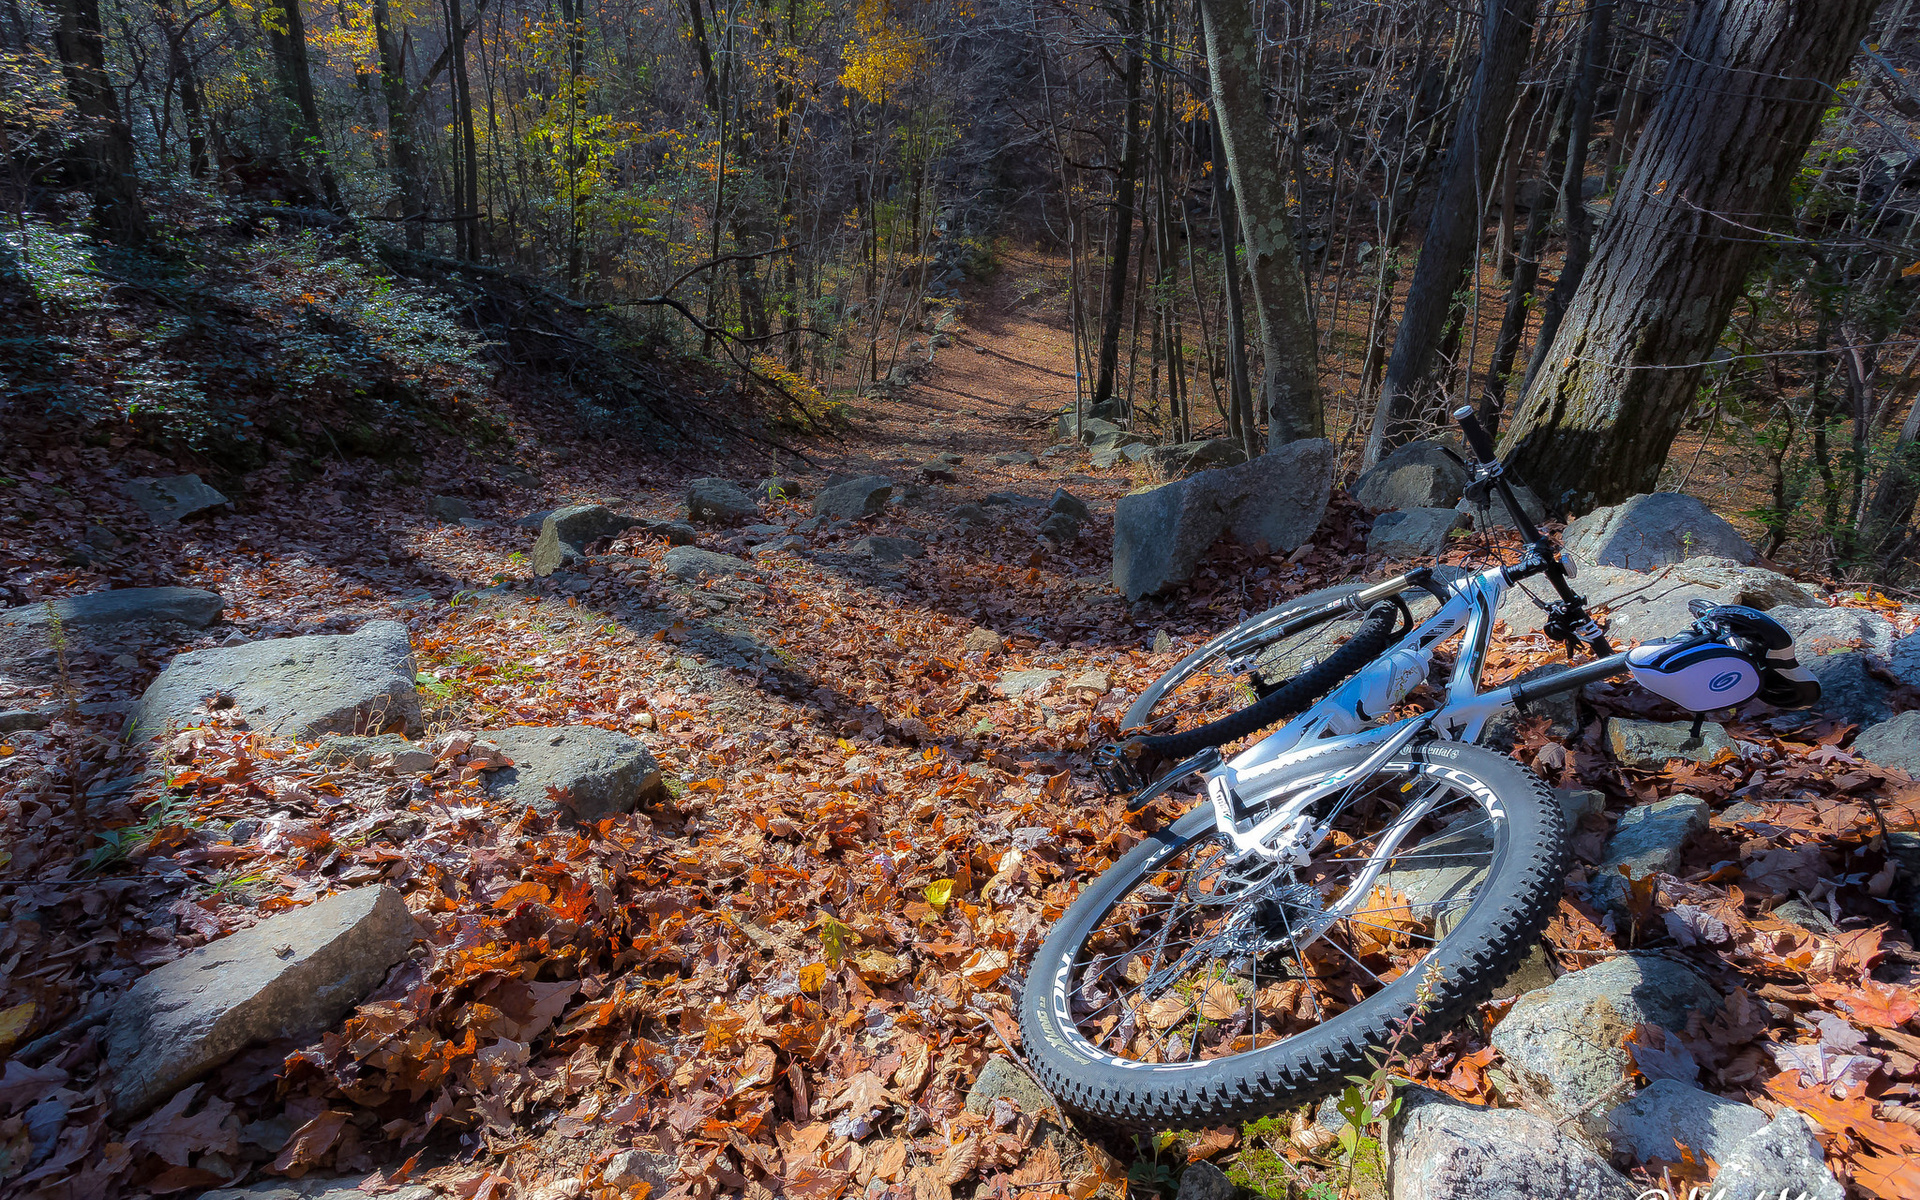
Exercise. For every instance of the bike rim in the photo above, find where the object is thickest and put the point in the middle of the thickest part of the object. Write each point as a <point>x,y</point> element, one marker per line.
<point>1201,959</point>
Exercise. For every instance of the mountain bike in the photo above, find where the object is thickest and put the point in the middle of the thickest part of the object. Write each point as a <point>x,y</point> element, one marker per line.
<point>1359,877</point>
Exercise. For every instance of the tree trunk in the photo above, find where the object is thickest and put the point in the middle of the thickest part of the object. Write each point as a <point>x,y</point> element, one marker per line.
<point>1288,342</point>
<point>101,158</point>
<point>1453,231</point>
<point>1574,217</point>
<point>296,76</point>
<point>1124,188</point>
<point>1526,267</point>
<point>407,181</point>
<point>1739,105</point>
<point>467,198</point>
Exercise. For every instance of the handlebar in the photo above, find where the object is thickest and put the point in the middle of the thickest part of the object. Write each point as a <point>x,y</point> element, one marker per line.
<point>1476,433</point>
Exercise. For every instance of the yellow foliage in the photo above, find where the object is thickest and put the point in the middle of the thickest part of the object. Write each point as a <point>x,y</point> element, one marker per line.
<point>881,56</point>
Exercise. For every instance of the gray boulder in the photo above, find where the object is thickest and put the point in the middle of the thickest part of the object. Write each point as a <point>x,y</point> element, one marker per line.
<point>1564,1043</point>
<point>719,502</point>
<point>1063,501</point>
<point>1668,1116</point>
<point>1783,1159</point>
<point>566,533</point>
<point>1497,515</point>
<point>780,487</point>
<point>1015,458</point>
<point>449,508</point>
<point>600,771</point>
<point>1650,745</point>
<point>1834,645</point>
<point>1002,1079</point>
<point>292,975</point>
<point>1904,657</point>
<point>1638,606</point>
<point>1110,453</point>
<point>1442,1149</point>
<point>166,501</point>
<point>1417,475</point>
<point>1272,505</point>
<point>854,498</point>
<point>971,514</point>
<point>1060,528</point>
<point>1561,709</point>
<point>888,549</point>
<point>1184,458</point>
<point>1412,532</point>
<point>1648,838</point>
<point>1653,530</point>
<point>1850,689</point>
<point>300,687</point>
<point>689,563</point>
<point>122,606</point>
<point>938,470</point>
<point>1894,743</point>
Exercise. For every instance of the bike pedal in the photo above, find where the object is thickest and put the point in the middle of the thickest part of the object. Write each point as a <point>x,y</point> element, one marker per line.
<point>1114,763</point>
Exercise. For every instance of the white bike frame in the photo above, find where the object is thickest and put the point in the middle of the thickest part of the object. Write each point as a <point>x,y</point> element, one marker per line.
<point>1250,793</point>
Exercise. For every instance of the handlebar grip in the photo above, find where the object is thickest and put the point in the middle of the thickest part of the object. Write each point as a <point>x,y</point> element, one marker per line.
<point>1476,435</point>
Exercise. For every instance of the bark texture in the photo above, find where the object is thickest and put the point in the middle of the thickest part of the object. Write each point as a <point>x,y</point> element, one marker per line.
<point>1288,341</point>
<point>101,158</point>
<point>1453,231</point>
<point>1741,101</point>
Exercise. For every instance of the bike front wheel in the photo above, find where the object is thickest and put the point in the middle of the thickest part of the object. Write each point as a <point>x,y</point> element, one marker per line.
<point>1187,987</point>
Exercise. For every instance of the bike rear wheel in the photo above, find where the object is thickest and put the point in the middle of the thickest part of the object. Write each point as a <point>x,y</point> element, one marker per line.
<point>1185,989</point>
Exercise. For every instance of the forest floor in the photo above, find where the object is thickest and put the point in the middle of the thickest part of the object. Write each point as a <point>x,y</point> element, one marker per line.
<point>785,978</point>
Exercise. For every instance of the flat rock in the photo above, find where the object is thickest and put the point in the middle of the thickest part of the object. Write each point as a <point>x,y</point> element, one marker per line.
<point>1002,1079</point>
<point>291,976</point>
<point>1650,745</point>
<point>566,533</point>
<point>1270,505</point>
<point>1579,803</point>
<point>937,469</point>
<point>1783,1159</point>
<point>123,606</point>
<point>853,498</point>
<point>1412,532</point>
<point>1089,681</point>
<point>1894,743</point>
<point>688,563</point>
<point>1110,453</point>
<point>1019,683</point>
<point>317,1187</point>
<point>719,502</point>
<point>1204,1181</point>
<point>1826,631</point>
<point>651,1167</point>
<point>601,772</point>
<point>173,498</point>
<point>970,514</point>
<point>1652,530</point>
<point>449,508</point>
<point>1442,1149</point>
<point>1564,1043</point>
<point>1015,458</point>
<point>388,750</point>
<point>301,687</point>
<point>1184,458</point>
<point>984,641</point>
<point>1648,838</point>
<point>1669,1116</point>
<point>888,549</point>
<point>1417,475</point>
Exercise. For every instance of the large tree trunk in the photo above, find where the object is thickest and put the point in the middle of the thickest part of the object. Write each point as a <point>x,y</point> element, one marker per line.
<point>408,184</point>
<point>1453,231</point>
<point>101,158</point>
<point>289,41</point>
<point>1739,105</point>
<point>1291,387</point>
<point>1124,188</point>
<point>467,199</point>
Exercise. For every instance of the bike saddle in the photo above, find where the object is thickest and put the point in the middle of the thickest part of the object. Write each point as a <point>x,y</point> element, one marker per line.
<point>1784,683</point>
